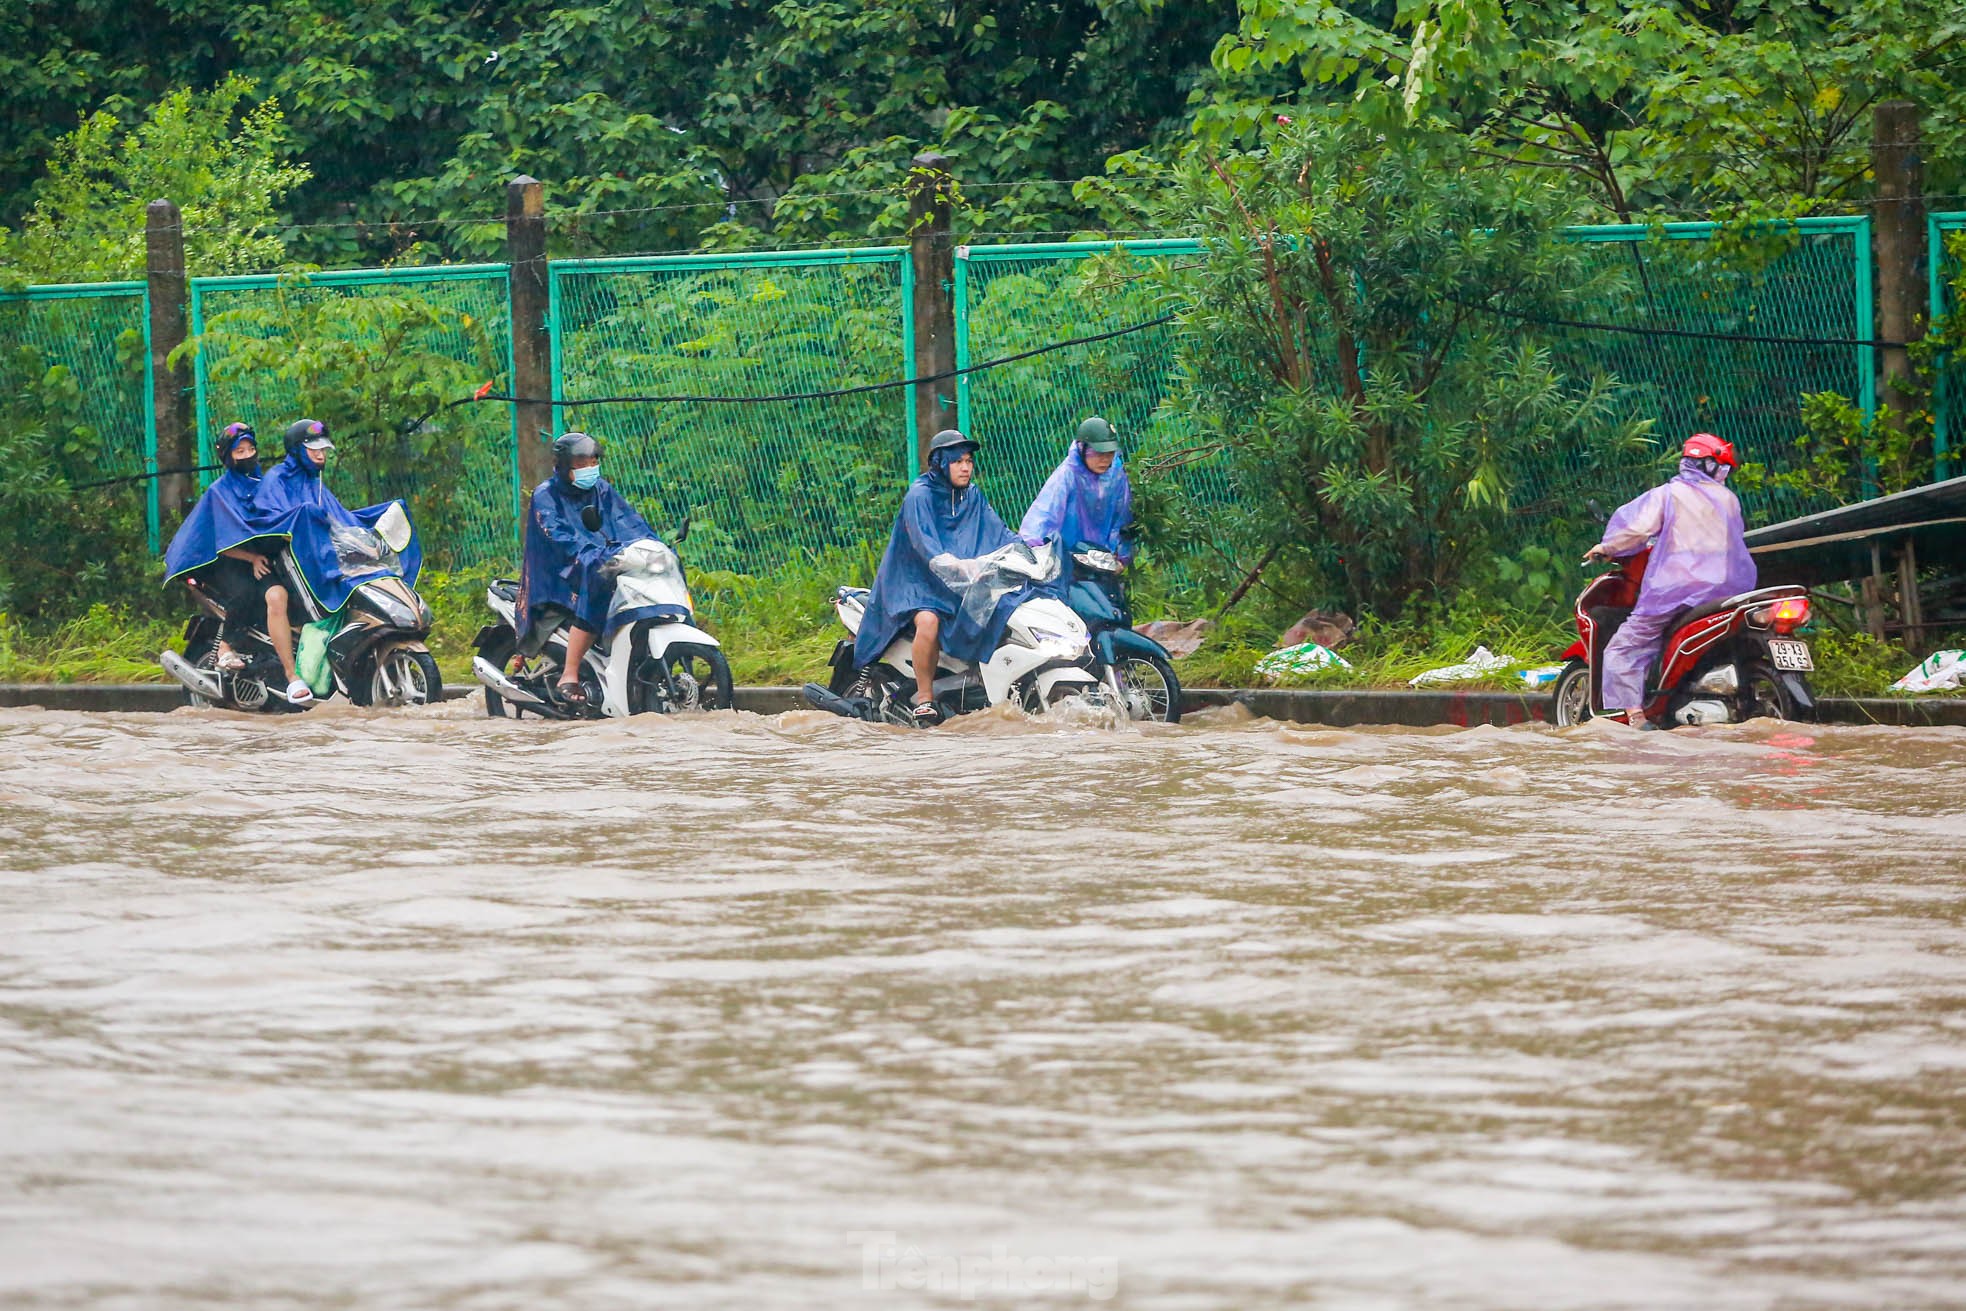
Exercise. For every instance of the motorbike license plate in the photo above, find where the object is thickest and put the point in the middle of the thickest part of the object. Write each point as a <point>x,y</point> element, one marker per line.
<point>1791,655</point>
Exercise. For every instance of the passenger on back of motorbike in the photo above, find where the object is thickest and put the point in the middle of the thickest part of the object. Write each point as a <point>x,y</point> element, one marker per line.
<point>225,547</point>
<point>1087,501</point>
<point>942,514</point>
<point>1700,556</point>
<point>575,527</point>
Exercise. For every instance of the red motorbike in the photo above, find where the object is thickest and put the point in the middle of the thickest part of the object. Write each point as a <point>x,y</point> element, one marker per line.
<point>1722,663</point>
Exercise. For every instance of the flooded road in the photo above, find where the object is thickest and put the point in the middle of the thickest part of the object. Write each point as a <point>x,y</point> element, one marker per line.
<point>429,1011</point>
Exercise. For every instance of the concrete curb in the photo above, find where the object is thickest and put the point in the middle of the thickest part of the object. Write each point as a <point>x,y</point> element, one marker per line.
<point>1296,706</point>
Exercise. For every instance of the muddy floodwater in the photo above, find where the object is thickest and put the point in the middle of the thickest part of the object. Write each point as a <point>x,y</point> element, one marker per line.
<point>361,1010</point>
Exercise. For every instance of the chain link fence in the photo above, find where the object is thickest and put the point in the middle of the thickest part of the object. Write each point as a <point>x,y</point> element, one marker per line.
<point>762,484</point>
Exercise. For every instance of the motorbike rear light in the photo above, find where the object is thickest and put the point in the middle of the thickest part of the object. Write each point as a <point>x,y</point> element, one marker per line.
<point>1791,613</point>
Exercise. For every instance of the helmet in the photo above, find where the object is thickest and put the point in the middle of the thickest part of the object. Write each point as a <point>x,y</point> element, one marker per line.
<point>311,433</point>
<point>1095,434</point>
<point>571,446</point>
<point>1706,446</point>
<point>950,439</point>
<point>234,434</point>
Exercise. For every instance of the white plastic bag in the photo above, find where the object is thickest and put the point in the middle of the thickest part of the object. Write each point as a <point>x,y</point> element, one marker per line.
<point>1942,671</point>
<point>1483,661</point>
<point>1300,659</point>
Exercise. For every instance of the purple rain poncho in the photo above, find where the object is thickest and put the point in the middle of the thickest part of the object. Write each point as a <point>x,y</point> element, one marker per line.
<point>1077,505</point>
<point>1701,555</point>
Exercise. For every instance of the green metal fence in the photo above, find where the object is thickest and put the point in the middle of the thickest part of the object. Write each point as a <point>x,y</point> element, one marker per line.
<point>762,484</point>
<point>770,483</point>
<point>1945,253</point>
<point>1011,299</point>
<point>373,352</point>
<point>1807,280</point>
<point>98,335</point>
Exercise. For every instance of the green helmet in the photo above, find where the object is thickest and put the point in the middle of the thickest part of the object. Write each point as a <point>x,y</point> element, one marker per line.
<point>1095,434</point>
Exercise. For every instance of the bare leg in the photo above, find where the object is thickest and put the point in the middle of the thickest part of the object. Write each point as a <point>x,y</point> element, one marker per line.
<point>579,642</point>
<point>280,628</point>
<point>928,653</point>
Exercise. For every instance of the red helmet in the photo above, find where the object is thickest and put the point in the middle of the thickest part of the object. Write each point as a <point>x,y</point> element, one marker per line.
<point>1706,446</point>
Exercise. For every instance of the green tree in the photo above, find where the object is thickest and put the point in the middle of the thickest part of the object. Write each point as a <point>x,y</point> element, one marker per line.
<point>226,163</point>
<point>1360,334</point>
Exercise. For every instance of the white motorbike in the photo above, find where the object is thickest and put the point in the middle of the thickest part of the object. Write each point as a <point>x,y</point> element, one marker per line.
<point>656,659</point>
<point>1044,658</point>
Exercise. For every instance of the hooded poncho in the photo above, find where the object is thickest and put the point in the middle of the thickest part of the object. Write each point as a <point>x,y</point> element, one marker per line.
<point>1076,505</point>
<point>1701,555</point>
<point>563,556</point>
<point>292,500</point>
<point>936,519</point>
<point>224,517</point>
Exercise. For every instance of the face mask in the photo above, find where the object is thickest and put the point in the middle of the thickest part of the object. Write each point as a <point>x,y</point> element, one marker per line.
<point>246,464</point>
<point>585,478</point>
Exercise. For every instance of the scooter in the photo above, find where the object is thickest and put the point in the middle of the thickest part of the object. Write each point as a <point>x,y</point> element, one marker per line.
<point>377,653</point>
<point>1723,663</point>
<point>651,657</point>
<point>1044,658</point>
<point>1138,669</point>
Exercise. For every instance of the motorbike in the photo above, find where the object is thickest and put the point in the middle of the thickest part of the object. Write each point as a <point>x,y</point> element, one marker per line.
<point>1137,669</point>
<point>376,654</point>
<point>650,659</point>
<point>1722,663</point>
<point>1044,658</point>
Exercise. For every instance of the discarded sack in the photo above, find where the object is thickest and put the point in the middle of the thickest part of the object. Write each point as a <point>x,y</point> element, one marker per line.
<point>1483,661</point>
<point>1301,659</point>
<point>1942,671</point>
<point>1180,639</point>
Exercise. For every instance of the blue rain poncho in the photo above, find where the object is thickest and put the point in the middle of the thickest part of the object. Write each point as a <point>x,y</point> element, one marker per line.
<point>936,519</point>
<point>1699,555</point>
<point>1077,505</point>
<point>224,518</point>
<point>292,500</point>
<point>563,556</point>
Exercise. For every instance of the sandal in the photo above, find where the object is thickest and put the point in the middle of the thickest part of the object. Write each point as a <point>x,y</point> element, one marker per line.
<point>926,715</point>
<point>572,695</point>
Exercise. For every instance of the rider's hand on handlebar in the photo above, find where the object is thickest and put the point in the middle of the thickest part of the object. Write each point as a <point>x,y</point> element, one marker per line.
<point>1595,554</point>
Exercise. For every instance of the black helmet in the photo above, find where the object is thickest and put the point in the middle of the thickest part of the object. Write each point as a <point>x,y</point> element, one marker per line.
<point>950,438</point>
<point>307,432</point>
<point>234,434</point>
<point>1095,434</point>
<point>571,446</point>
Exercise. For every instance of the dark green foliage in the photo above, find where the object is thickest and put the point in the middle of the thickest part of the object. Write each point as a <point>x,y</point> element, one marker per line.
<point>1343,342</point>
<point>62,550</point>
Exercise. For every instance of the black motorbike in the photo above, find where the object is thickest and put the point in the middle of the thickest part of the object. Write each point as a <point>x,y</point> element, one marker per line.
<point>377,651</point>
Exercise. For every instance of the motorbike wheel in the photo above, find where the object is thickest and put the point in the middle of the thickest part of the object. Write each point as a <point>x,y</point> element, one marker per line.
<point>498,651</point>
<point>1148,683</point>
<point>688,676</point>
<point>1572,694</point>
<point>402,677</point>
<point>1764,695</point>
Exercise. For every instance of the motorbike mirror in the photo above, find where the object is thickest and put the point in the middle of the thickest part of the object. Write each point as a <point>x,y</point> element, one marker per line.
<point>1597,511</point>
<point>590,518</point>
<point>682,533</point>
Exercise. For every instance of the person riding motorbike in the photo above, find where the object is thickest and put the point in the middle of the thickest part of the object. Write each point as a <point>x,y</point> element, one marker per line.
<point>223,544</point>
<point>942,513</point>
<point>1699,555</point>
<point>293,500</point>
<point>1087,500</point>
<point>564,571</point>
